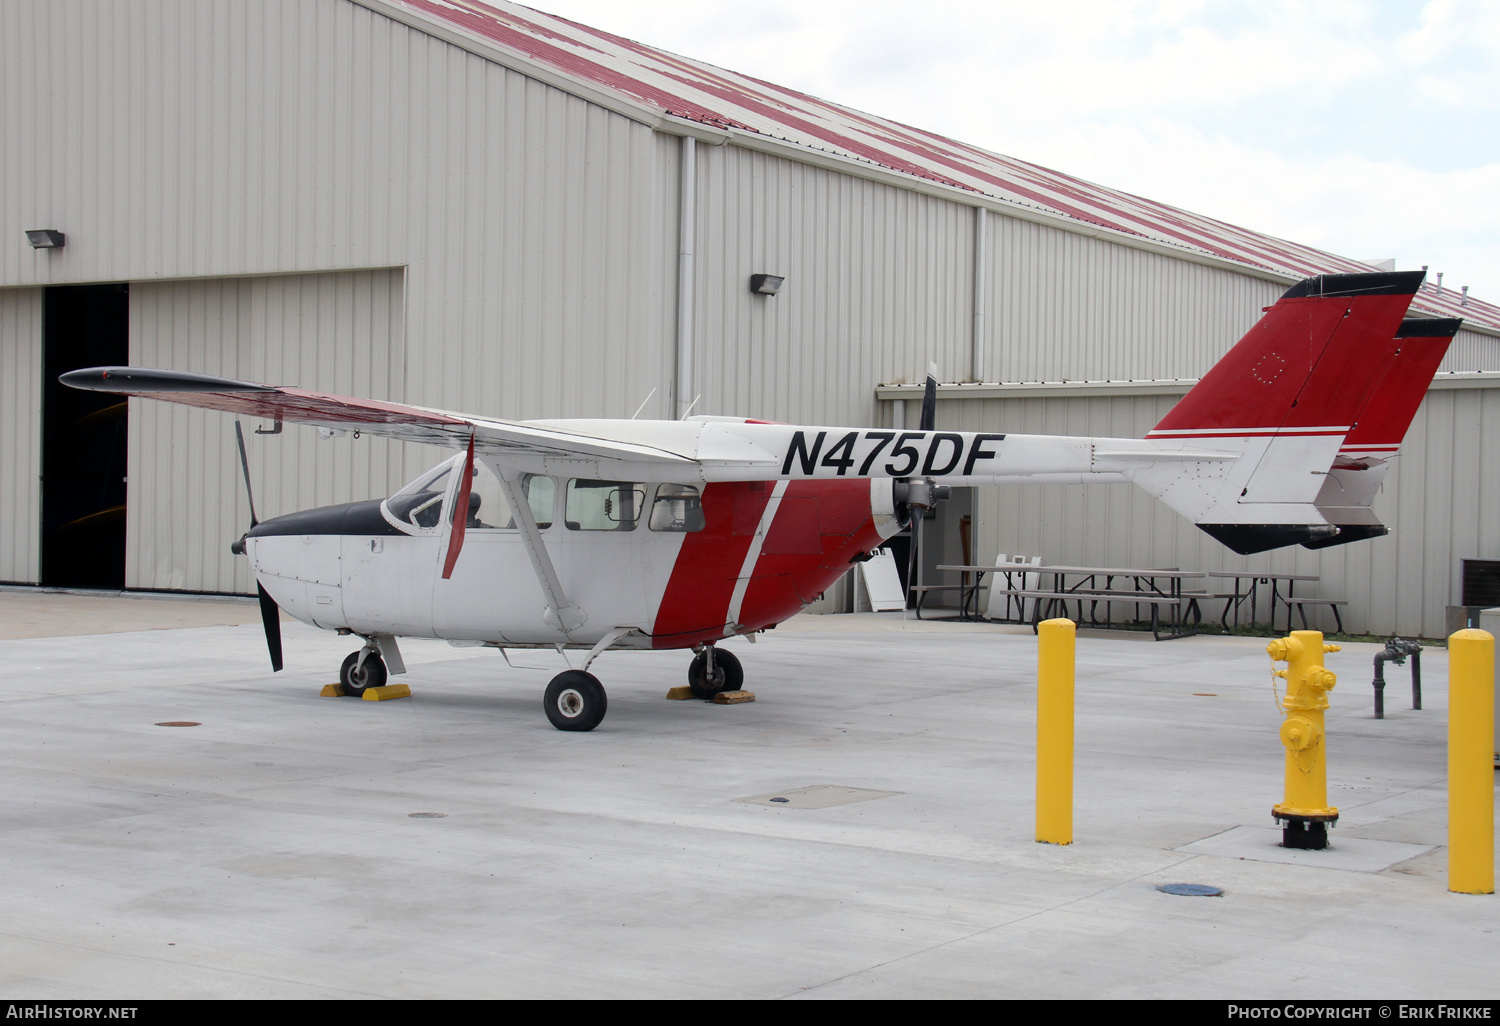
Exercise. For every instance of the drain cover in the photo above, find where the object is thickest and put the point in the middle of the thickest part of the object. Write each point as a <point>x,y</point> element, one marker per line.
<point>179,723</point>
<point>1191,890</point>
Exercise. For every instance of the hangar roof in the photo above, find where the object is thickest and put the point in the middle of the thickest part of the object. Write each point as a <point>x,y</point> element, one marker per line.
<point>672,87</point>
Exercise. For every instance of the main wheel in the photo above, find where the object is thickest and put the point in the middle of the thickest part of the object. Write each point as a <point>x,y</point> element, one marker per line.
<point>370,675</point>
<point>728,674</point>
<point>575,701</point>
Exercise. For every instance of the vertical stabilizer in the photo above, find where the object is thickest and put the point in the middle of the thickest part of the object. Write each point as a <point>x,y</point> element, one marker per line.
<point>1357,472</point>
<point>1285,397</point>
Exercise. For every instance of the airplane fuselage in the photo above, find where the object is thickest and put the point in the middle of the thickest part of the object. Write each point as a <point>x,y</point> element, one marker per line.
<point>760,552</point>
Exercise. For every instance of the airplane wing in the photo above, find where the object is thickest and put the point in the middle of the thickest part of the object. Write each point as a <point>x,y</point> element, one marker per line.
<point>495,438</point>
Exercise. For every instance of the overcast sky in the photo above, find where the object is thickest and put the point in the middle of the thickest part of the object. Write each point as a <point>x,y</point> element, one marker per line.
<point>1371,129</point>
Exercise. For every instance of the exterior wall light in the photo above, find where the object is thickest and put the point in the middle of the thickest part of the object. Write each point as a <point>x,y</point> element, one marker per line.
<point>45,238</point>
<point>766,284</point>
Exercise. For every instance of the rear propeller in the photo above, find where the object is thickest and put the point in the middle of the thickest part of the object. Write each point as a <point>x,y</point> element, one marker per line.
<point>270,615</point>
<point>920,494</point>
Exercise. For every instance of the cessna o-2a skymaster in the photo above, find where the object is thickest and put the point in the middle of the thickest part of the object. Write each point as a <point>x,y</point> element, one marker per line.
<point>598,534</point>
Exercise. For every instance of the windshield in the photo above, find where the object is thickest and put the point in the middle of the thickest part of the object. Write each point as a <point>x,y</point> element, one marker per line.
<point>420,503</point>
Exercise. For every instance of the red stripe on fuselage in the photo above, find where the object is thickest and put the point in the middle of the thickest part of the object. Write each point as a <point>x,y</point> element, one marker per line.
<point>695,605</point>
<point>785,582</point>
<point>834,523</point>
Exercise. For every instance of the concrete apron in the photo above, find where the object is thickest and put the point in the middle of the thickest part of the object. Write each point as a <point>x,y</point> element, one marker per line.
<point>275,850</point>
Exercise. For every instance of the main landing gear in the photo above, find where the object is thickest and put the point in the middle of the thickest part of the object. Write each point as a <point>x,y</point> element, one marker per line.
<point>575,700</point>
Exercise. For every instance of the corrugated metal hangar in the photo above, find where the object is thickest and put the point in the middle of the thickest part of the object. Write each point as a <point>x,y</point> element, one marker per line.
<point>481,207</point>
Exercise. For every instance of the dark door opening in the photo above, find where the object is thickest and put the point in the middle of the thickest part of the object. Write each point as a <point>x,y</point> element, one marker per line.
<point>83,439</point>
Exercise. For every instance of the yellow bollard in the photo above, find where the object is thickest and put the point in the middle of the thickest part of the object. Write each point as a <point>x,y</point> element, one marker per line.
<point>1304,812</point>
<point>1471,747</point>
<point>1054,731</point>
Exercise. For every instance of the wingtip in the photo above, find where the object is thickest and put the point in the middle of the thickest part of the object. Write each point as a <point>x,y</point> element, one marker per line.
<point>141,380</point>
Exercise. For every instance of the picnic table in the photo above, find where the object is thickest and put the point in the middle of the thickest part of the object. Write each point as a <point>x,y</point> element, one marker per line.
<point>969,591</point>
<point>1092,586</point>
<point>1258,577</point>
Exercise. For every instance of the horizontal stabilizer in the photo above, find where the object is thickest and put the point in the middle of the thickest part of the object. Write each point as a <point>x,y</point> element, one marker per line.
<point>1250,538</point>
<point>1349,533</point>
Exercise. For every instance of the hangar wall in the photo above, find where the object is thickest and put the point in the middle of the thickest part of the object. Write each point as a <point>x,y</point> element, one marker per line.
<point>20,435</point>
<point>1066,307</point>
<point>1471,351</point>
<point>338,332</point>
<point>878,282</point>
<point>208,138</point>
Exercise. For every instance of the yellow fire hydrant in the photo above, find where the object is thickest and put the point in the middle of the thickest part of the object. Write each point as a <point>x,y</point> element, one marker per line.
<point>1304,812</point>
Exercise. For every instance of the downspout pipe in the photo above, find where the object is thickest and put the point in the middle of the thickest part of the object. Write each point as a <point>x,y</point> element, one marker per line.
<point>976,340</point>
<point>686,258</point>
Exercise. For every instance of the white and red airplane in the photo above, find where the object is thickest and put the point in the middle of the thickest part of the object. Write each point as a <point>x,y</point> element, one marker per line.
<point>599,534</point>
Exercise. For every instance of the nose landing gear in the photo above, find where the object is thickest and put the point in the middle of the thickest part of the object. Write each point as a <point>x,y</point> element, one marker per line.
<point>356,677</point>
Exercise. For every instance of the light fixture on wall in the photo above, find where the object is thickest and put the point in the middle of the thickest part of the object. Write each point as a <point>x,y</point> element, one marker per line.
<point>766,284</point>
<point>45,238</point>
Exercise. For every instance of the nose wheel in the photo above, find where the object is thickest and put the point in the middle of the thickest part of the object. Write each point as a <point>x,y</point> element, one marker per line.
<point>714,670</point>
<point>575,700</point>
<point>356,678</point>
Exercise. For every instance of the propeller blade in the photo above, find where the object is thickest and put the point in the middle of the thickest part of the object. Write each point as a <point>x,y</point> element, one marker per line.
<point>245,466</point>
<point>460,513</point>
<point>913,568</point>
<point>929,401</point>
<point>270,616</point>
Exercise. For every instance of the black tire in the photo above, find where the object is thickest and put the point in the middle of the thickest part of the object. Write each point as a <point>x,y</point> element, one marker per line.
<point>356,682</point>
<point>575,701</point>
<point>729,675</point>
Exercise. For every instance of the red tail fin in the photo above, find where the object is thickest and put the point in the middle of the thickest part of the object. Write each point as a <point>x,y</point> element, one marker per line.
<point>1421,343</point>
<point>1307,366</point>
<point>1285,397</point>
<point>1356,475</point>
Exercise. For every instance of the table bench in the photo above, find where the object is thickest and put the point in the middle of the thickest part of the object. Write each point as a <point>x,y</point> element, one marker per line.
<point>1301,605</point>
<point>921,590</point>
<point>1049,603</point>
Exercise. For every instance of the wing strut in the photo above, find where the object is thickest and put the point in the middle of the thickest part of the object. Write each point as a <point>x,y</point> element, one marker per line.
<point>560,614</point>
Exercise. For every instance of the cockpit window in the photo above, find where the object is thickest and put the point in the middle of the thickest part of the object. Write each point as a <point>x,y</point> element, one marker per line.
<point>677,508</point>
<point>420,503</point>
<point>540,496</point>
<point>488,509</point>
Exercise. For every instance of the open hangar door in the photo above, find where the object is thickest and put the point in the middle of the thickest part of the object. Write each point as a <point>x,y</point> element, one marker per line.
<point>337,331</point>
<point>83,439</point>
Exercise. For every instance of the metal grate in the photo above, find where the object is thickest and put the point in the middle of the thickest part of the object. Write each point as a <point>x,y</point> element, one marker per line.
<point>1481,582</point>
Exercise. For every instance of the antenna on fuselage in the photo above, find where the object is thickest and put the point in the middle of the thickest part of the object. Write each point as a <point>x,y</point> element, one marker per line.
<point>690,406</point>
<point>641,407</point>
